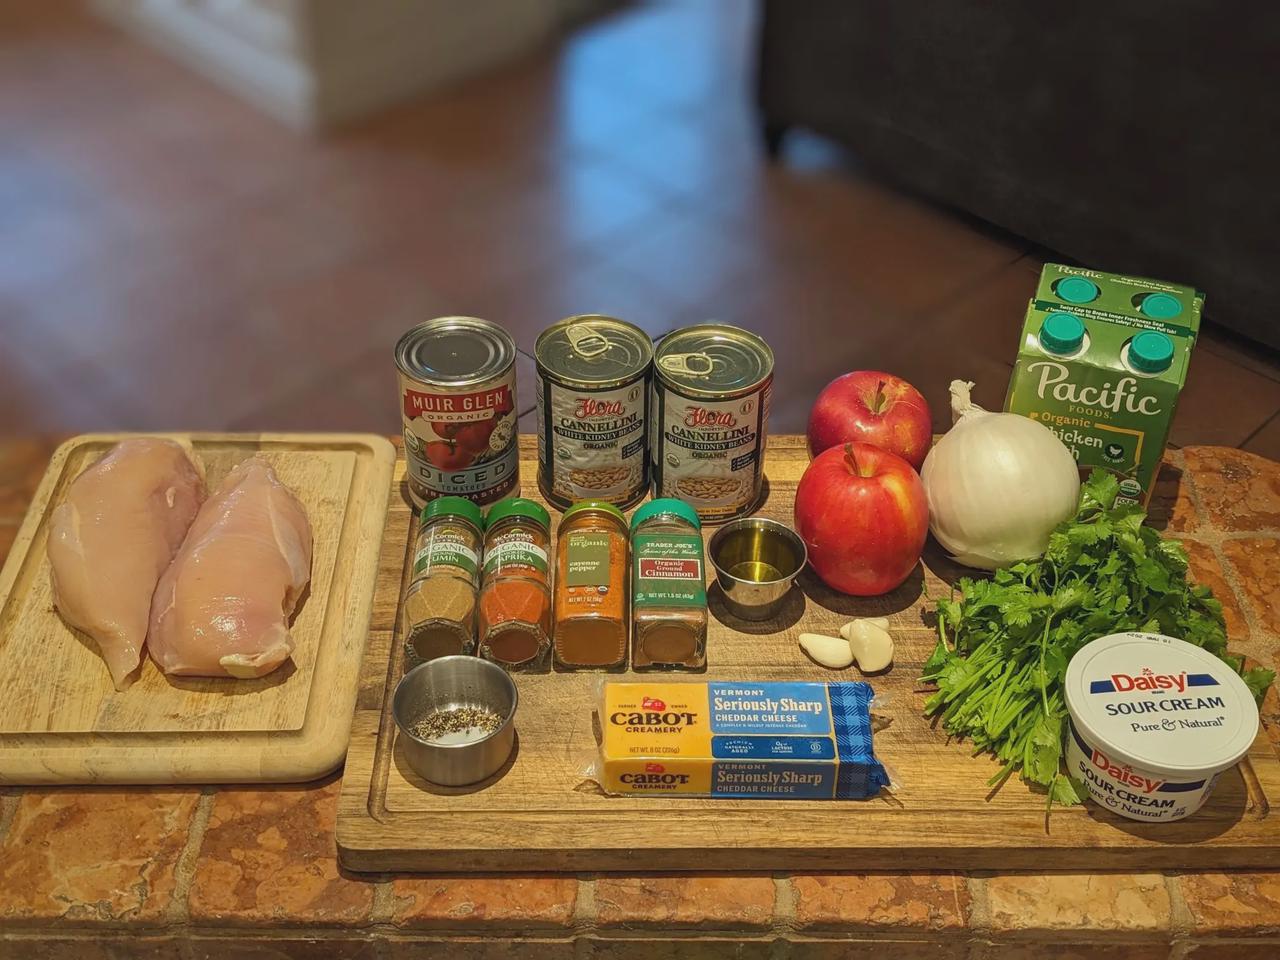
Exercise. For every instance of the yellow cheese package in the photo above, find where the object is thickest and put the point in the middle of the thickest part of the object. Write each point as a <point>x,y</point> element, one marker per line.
<point>766,740</point>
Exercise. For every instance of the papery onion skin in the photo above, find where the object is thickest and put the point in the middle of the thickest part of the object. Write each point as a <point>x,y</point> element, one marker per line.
<point>997,485</point>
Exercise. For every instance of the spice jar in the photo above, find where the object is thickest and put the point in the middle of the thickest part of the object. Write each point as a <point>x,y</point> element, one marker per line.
<point>515,596</point>
<point>440,603</point>
<point>668,588</point>
<point>592,620</point>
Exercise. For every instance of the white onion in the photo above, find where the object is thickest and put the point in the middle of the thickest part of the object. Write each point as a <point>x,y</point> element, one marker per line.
<point>997,483</point>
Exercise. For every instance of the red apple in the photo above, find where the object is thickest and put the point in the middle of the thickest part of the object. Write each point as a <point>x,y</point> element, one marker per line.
<point>863,516</point>
<point>872,407</point>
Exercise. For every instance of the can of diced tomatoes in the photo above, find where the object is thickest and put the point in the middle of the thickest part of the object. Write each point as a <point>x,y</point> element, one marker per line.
<point>458,401</point>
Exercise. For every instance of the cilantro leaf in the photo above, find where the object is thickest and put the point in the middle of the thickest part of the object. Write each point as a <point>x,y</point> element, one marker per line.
<point>1012,634</point>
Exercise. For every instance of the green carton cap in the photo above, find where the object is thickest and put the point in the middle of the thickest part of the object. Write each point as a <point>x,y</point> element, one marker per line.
<point>518,507</point>
<point>604,505</point>
<point>1062,333</point>
<point>1076,290</point>
<point>1150,352</point>
<point>453,507</point>
<point>666,505</point>
<point>1160,306</point>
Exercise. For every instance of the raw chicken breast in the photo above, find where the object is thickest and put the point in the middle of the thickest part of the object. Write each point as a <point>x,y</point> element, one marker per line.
<point>223,606</point>
<point>113,536</point>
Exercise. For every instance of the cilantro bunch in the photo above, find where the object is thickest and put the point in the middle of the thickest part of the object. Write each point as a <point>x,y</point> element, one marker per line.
<point>1004,644</point>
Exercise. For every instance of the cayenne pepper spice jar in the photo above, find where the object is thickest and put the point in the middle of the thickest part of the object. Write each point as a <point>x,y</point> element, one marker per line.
<point>591,615</point>
<point>668,588</point>
<point>515,596</point>
<point>440,603</point>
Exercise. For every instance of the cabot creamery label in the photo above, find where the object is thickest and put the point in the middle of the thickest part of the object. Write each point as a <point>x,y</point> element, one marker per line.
<point>766,740</point>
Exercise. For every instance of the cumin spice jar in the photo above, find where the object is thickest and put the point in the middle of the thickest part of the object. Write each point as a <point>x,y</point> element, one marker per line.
<point>515,593</point>
<point>591,610</point>
<point>668,588</point>
<point>440,603</point>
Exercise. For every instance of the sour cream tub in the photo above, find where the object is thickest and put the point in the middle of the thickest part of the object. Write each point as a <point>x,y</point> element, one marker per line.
<point>1154,722</point>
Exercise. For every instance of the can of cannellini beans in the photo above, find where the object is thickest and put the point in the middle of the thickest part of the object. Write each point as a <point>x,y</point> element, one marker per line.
<point>709,419</point>
<point>458,402</point>
<point>593,397</point>
<point>1153,724</point>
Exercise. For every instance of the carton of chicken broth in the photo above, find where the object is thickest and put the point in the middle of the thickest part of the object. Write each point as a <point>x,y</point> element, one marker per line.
<point>1102,360</point>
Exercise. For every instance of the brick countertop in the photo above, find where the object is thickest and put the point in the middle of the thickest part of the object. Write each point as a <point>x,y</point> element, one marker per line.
<point>251,872</point>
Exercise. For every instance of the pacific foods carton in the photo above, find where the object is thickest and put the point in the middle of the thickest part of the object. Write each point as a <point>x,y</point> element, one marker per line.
<point>1102,360</point>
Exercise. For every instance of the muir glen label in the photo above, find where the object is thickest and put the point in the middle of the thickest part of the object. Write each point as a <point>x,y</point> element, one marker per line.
<point>462,443</point>
<point>1102,361</point>
<point>458,403</point>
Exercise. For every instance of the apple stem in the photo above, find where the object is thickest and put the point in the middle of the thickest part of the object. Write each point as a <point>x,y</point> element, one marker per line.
<point>881,400</point>
<point>851,460</point>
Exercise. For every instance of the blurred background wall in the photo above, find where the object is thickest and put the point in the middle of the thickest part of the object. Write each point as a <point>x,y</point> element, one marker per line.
<point>866,184</point>
<point>316,63</point>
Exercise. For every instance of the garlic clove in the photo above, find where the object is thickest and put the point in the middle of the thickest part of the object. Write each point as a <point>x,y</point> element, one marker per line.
<point>881,622</point>
<point>870,645</point>
<point>832,652</point>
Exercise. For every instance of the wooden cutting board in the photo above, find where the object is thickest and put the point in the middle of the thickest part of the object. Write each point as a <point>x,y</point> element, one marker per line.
<point>542,811</point>
<point>62,721</point>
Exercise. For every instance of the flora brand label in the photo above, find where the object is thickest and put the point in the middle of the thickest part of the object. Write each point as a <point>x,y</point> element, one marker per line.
<point>1102,360</point>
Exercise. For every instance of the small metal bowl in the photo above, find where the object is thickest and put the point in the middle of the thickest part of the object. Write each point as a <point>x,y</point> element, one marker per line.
<point>451,683</point>
<point>756,561</point>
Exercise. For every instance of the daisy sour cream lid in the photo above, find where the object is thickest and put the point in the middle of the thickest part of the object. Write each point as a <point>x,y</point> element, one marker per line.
<point>1160,704</point>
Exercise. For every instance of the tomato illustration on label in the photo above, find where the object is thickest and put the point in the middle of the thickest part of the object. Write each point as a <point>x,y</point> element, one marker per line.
<point>474,437</point>
<point>447,455</point>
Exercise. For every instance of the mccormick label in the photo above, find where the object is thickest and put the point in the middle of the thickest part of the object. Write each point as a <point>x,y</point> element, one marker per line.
<point>591,444</point>
<point>666,571</point>
<point>461,441</point>
<point>751,740</point>
<point>1153,722</point>
<point>514,552</point>
<point>710,453</point>
<point>1083,372</point>
<point>445,548</point>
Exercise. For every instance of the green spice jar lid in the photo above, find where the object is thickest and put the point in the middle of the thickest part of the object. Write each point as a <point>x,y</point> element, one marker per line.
<point>454,507</point>
<point>666,505</point>
<point>584,505</point>
<point>1062,333</point>
<point>1150,352</point>
<point>518,507</point>
<point>1076,290</point>
<point>1159,306</point>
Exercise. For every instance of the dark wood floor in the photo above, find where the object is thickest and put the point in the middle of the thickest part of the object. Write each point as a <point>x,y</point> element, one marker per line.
<point>169,258</point>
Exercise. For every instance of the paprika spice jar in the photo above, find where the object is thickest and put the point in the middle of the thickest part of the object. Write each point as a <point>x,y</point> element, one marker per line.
<point>668,588</point>
<point>440,603</point>
<point>591,610</point>
<point>515,596</point>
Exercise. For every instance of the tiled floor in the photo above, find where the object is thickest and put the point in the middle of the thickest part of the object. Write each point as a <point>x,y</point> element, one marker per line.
<point>169,258</point>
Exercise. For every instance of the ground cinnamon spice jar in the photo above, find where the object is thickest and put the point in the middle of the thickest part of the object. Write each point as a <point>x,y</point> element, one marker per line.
<point>591,610</point>
<point>440,603</point>
<point>515,594</point>
<point>668,588</point>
